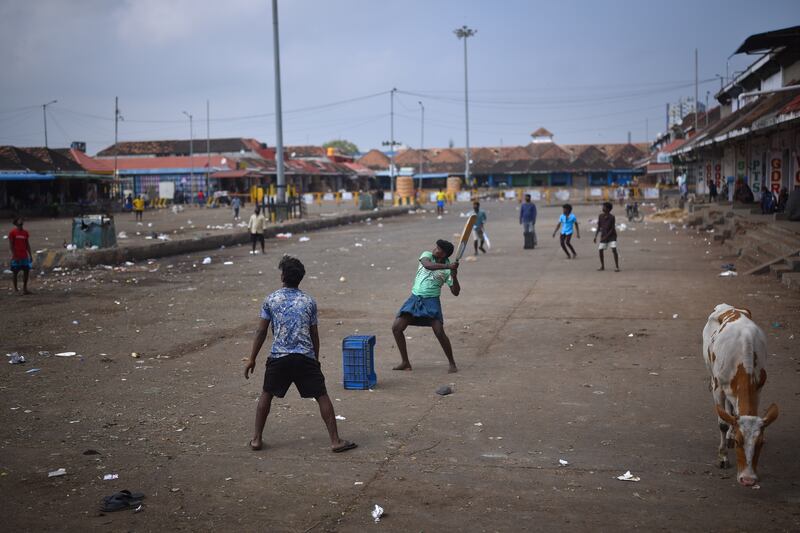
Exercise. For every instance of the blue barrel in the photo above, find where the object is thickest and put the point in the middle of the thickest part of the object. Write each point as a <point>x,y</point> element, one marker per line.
<point>358,362</point>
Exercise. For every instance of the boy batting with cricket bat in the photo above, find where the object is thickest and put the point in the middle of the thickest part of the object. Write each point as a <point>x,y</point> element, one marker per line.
<point>423,307</point>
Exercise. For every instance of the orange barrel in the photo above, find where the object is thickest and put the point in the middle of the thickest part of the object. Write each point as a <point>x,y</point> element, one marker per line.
<point>405,187</point>
<point>453,185</point>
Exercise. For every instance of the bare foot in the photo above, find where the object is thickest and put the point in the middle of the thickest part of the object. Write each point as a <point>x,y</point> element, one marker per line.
<point>616,270</point>
<point>600,269</point>
<point>256,444</point>
<point>452,370</point>
<point>403,366</point>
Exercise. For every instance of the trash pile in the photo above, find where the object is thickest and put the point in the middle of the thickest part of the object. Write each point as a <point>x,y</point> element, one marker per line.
<point>668,215</point>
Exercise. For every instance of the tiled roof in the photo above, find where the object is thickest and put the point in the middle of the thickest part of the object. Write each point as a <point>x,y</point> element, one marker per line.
<point>37,159</point>
<point>300,151</point>
<point>173,162</point>
<point>448,155</point>
<point>542,132</point>
<point>410,157</point>
<point>180,147</point>
<point>374,159</point>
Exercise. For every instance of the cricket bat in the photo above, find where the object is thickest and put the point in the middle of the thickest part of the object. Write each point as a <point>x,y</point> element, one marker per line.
<point>462,244</point>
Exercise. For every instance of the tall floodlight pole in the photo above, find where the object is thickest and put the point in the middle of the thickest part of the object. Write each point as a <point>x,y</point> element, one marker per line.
<point>465,33</point>
<point>208,142</point>
<point>117,118</point>
<point>391,141</point>
<point>421,145</point>
<point>696,102</point>
<point>191,146</point>
<point>278,112</point>
<point>44,114</point>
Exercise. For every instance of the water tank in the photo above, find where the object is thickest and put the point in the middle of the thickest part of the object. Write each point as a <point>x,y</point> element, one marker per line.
<point>453,184</point>
<point>405,187</point>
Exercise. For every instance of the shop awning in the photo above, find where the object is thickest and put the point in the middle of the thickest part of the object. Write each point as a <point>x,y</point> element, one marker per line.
<point>25,176</point>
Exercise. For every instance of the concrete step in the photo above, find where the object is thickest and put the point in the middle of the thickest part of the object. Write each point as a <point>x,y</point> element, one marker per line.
<point>791,280</point>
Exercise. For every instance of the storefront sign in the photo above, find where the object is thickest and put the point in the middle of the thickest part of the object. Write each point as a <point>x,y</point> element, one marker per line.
<point>775,172</point>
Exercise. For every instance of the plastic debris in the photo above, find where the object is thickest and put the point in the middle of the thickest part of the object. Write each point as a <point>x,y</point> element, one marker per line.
<point>135,355</point>
<point>728,274</point>
<point>33,370</point>
<point>630,334</point>
<point>675,315</point>
<point>377,513</point>
<point>358,245</point>
<point>109,477</point>
<point>122,235</point>
<point>206,261</point>
<point>228,263</point>
<point>66,354</point>
<point>563,462</point>
<point>286,235</point>
<point>342,279</point>
<point>627,476</point>
<point>777,325</point>
<point>444,390</point>
<point>16,358</point>
<point>57,473</point>
<point>304,239</point>
<point>478,424</point>
<point>340,417</point>
<point>728,266</point>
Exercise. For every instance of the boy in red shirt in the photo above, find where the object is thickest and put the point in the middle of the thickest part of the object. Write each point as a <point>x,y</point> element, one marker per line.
<point>21,256</point>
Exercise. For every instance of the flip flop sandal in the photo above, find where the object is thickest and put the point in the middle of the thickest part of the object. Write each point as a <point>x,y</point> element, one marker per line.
<point>120,501</point>
<point>344,447</point>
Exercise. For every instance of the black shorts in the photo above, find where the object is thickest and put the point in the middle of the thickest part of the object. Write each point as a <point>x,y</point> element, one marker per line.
<point>303,371</point>
<point>257,237</point>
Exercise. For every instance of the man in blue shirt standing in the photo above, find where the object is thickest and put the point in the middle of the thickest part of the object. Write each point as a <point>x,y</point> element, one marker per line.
<point>527,217</point>
<point>294,357</point>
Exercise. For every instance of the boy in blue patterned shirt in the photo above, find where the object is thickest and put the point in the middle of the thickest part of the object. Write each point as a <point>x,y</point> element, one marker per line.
<point>294,357</point>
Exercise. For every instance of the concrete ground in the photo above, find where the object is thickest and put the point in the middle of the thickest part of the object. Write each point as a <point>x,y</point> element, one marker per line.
<point>557,361</point>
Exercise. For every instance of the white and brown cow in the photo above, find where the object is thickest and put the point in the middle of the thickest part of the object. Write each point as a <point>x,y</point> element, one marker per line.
<point>735,350</point>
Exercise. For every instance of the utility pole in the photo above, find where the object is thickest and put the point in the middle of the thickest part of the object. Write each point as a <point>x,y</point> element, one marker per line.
<point>44,114</point>
<point>278,111</point>
<point>116,136</point>
<point>391,141</point>
<point>696,97</point>
<point>421,145</point>
<point>191,146</point>
<point>647,130</point>
<point>465,33</point>
<point>208,142</point>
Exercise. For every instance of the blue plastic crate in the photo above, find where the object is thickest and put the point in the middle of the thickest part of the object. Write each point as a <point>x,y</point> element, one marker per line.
<point>358,362</point>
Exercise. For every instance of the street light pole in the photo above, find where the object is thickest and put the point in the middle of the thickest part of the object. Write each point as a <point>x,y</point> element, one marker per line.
<point>465,33</point>
<point>391,142</point>
<point>421,146</point>
<point>278,112</point>
<point>44,114</point>
<point>191,146</point>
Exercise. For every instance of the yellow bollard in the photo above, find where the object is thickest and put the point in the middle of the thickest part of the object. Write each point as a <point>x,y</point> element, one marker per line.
<point>355,198</point>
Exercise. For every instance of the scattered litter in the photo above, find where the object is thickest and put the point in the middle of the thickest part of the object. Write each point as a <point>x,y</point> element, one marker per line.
<point>304,239</point>
<point>728,266</point>
<point>340,417</point>
<point>358,483</point>
<point>57,473</point>
<point>135,355</point>
<point>122,235</point>
<point>627,476</point>
<point>563,462</point>
<point>444,390</point>
<point>675,315</point>
<point>228,263</point>
<point>109,477</point>
<point>478,424</point>
<point>33,370</point>
<point>206,261</point>
<point>75,322</point>
<point>342,279</point>
<point>128,263</point>
<point>163,237</point>
<point>286,235</point>
<point>66,354</point>
<point>174,489</point>
<point>727,273</point>
<point>16,358</point>
<point>228,478</point>
<point>756,486</point>
<point>653,373</point>
<point>777,325</point>
<point>377,513</point>
<point>630,334</point>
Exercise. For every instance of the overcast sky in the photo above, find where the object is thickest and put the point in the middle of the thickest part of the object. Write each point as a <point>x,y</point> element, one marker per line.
<point>588,70</point>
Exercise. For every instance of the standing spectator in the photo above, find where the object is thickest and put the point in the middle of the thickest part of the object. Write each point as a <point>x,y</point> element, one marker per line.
<point>607,231</point>
<point>21,256</point>
<point>440,199</point>
<point>568,224</point>
<point>138,208</point>
<point>257,225</point>
<point>478,229</point>
<point>236,204</point>
<point>527,217</point>
<point>294,357</point>
<point>201,198</point>
<point>783,198</point>
<point>712,191</point>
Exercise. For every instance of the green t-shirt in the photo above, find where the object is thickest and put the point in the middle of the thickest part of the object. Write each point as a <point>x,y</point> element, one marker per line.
<point>428,283</point>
